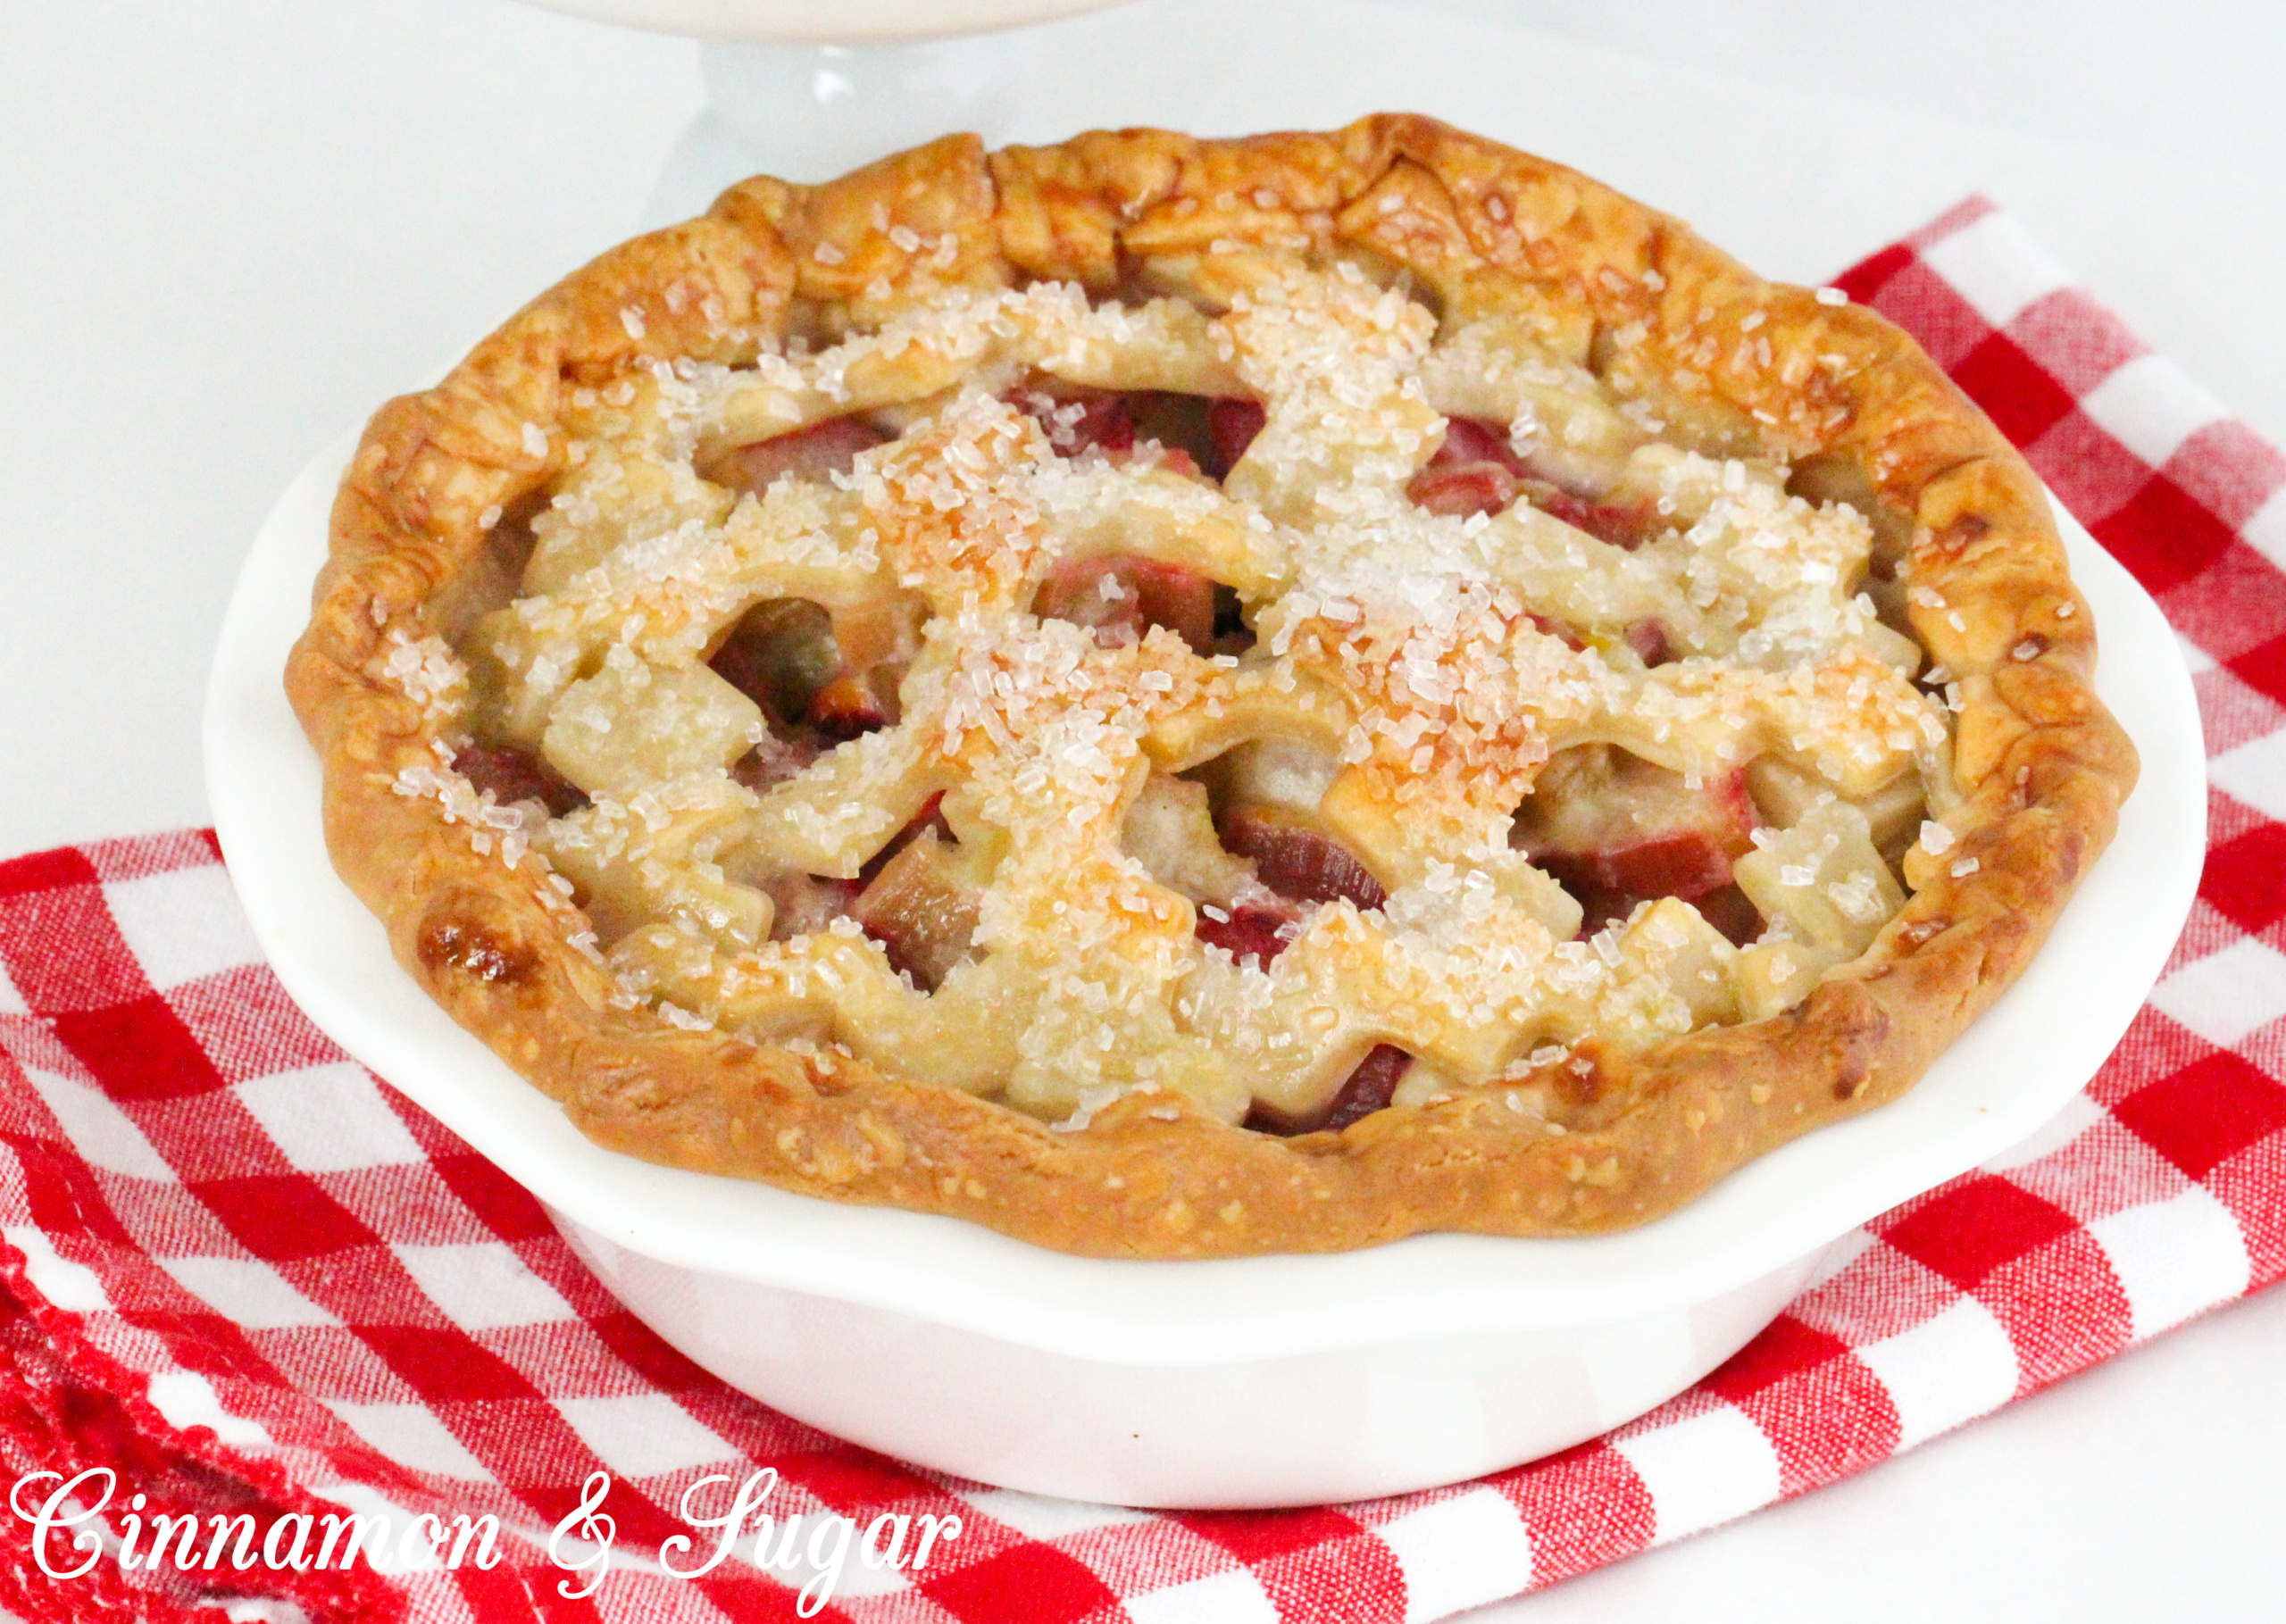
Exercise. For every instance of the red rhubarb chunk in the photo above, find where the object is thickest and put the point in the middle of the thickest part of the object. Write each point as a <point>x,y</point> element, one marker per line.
<point>1648,638</point>
<point>1232,423</point>
<point>1624,522</point>
<point>1074,424</point>
<point>1459,489</point>
<point>1685,863</point>
<point>1296,860</point>
<point>899,915</point>
<point>922,910</point>
<point>1365,1090</point>
<point>1474,439</point>
<point>1617,830</point>
<point>1473,472</point>
<point>1730,911</point>
<point>1368,1088</point>
<point>815,453</point>
<point>1122,598</point>
<point>514,775</point>
<point>1250,930</point>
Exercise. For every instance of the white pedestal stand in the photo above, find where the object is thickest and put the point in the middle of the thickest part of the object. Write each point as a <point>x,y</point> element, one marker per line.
<point>808,91</point>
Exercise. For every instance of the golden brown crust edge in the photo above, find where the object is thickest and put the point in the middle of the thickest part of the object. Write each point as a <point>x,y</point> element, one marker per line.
<point>2041,766</point>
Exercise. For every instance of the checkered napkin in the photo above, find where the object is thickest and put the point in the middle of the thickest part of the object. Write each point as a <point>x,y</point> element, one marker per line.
<point>250,1279</point>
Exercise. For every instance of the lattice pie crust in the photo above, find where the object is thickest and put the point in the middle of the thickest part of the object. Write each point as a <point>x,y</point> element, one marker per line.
<point>1183,697</point>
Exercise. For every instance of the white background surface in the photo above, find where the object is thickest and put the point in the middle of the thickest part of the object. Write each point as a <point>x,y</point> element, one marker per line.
<point>227,229</point>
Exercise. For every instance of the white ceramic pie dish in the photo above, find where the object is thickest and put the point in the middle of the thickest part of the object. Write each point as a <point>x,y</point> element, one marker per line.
<point>1247,1382</point>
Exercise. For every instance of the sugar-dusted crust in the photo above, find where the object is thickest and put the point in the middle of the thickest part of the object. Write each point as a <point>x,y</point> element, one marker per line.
<point>1739,363</point>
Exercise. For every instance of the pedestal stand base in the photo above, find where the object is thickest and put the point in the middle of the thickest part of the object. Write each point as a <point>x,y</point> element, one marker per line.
<point>810,113</point>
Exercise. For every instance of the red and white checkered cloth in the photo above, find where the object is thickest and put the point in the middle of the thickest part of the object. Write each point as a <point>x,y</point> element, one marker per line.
<point>247,1277</point>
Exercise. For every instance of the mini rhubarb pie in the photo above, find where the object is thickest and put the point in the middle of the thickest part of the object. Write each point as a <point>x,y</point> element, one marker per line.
<point>1180,697</point>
